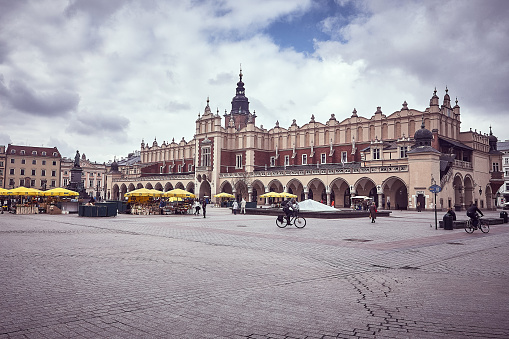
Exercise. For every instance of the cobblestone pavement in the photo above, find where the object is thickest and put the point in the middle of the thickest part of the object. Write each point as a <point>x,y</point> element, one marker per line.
<point>240,276</point>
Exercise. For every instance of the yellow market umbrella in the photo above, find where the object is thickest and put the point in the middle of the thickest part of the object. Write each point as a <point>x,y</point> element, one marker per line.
<point>60,192</point>
<point>224,195</point>
<point>270,195</point>
<point>287,195</point>
<point>23,191</point>
<point>144,192</point>
<point>180,193</point>
<point>3,191</point>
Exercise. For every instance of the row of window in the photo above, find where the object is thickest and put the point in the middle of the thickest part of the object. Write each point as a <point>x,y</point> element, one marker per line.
<point>43,153</point>
<point>34,162</point>
<point>22,172</point>
<point>32,183</point>
<point>179,168</point>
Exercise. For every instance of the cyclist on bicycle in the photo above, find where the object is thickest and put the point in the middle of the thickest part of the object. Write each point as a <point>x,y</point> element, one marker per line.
<point>472,214</point>
<point>290,207</point>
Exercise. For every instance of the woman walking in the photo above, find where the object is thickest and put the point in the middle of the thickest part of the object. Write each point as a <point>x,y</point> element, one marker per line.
<point>372,212</point>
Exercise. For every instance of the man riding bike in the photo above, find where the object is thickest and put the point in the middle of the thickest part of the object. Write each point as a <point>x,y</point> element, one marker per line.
<point>472,214</point>
<point>290,207</point>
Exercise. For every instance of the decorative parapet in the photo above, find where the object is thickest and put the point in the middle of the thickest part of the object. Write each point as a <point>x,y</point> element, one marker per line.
<point>462,164</point>
<point>157,178</point>
<point>290,172</point>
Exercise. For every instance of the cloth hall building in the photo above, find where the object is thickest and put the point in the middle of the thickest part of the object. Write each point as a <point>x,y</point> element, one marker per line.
<point>392,158</point>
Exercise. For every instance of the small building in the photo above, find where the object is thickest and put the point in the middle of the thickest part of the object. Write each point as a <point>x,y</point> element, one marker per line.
<point>93,177</point>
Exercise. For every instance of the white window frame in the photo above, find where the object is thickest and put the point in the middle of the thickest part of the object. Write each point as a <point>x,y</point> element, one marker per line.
<point>272,161</point>
<point>304,159</point>
<point>375,154</point>
<point>344,156</point>
<point>402,152</point>
<point>287,160</point>
<point>238,161</point>
<point>323,158</point>
<point>496,167</point>
<point>161,169</point>
<point>206,156</point>
<point>179,169</point>
<point>190,167</point>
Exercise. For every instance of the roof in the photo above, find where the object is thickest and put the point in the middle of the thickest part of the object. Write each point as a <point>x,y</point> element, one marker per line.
<point>32,151</point>
<point>456,143</point>
<point>423,149</point>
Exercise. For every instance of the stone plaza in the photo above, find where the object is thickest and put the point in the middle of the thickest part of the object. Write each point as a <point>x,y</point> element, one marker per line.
<point>240,276</point>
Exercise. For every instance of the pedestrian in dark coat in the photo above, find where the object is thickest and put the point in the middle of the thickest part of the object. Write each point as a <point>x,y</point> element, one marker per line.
<point>372,212</point>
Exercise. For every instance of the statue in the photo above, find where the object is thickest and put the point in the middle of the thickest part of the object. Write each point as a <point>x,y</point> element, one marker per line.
<point>77,159</point>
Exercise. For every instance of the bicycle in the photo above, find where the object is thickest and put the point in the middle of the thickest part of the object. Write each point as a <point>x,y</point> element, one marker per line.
<point>298,221</point>
<point>482,225</point>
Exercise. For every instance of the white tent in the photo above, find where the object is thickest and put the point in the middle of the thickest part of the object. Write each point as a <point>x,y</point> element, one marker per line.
<point>314,206</point>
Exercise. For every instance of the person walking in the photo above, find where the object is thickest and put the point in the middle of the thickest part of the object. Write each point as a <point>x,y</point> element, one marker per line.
<point>388,203</point>
<point>419,206</point>
<point>235,207</point>
<point>197,207</point>
<point>243,206</point>
<point>204,207</point>
<point>372,212</point>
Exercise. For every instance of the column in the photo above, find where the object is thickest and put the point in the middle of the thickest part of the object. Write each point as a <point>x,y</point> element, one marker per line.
<point>328,196</point>
<point>306,191</point>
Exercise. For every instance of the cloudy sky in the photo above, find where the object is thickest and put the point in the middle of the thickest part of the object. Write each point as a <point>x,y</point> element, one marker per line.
<point>99,76</point>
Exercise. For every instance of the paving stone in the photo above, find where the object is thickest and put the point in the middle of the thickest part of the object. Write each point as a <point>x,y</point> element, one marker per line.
<point>184,277</point>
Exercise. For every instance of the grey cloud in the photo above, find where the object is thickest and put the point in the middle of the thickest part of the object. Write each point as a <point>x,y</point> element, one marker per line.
<point>47,103</point>
<point>5,139</point>
<point>97,10</point>
<point>173,106</point>
<point>222,78</point>
<point>98,124</point>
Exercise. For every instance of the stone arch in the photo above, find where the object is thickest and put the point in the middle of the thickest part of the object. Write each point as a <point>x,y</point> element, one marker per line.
<point>294,186</point>
<point>180,185</point>
<point>190,187</point>
<point>367,187</point>
<point>131,187</point>
<point>340,192</point>
<point>457,184</point>
<point>158,187</point>
<point>139,185</point>
<point>204,189</point>
<point>317,190</point>
<point>149,186</point>
<point>168,187</point>
<point>115,192</point>
<point>275,186</point>
<point>257,189</point>
<point>241,190</point>
<point>468,188</point>
<point>395,193</point>
<point>123,190</point>
<point>226,187</point>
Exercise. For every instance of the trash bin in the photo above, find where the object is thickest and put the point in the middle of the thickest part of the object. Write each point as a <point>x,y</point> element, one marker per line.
<point>448,225</point>
<point>503,215</point>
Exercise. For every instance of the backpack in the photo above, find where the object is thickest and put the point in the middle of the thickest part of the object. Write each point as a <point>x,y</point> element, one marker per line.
<point>284,203</point>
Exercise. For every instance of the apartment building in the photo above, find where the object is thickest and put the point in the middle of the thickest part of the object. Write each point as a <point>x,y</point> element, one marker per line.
<point>30,166</point>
